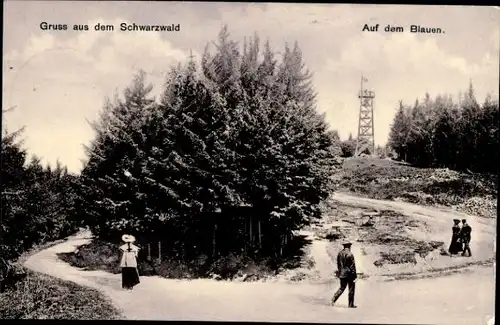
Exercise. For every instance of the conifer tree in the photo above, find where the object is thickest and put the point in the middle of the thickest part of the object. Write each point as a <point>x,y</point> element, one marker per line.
<point>400,131</point>
<point>111,186</point>
<point>281,141</point>
<point>468,126</point>
<point>348,147</point>
<point>444,136</point>
<point>419,142</point>
<point>12,230</point>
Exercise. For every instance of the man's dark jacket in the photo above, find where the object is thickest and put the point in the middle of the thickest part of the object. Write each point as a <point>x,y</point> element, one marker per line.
<point>465,233</point>
<point>346,265</point>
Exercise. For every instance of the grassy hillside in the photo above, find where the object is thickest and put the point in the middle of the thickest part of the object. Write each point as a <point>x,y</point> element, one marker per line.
<point>390,180</point>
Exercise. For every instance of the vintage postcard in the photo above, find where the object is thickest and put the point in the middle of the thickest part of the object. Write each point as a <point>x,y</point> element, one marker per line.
<point>272,162</point>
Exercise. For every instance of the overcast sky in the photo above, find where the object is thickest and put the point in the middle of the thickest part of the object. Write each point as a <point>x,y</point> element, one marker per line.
<point>58,79</point>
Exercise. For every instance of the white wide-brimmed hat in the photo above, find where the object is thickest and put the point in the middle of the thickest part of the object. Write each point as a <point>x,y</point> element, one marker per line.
<point>128,238</point>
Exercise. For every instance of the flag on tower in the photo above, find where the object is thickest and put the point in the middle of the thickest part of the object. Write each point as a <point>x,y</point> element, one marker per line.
<point>364,79</point>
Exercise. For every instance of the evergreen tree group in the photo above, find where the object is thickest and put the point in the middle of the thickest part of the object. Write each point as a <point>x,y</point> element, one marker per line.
<point>37,202</point>
<point>442,133</point>
<point>231,159</point>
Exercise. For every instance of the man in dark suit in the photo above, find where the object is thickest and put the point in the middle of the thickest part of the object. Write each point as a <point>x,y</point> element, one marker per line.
<point>465,236</point>
<point>346,268</point>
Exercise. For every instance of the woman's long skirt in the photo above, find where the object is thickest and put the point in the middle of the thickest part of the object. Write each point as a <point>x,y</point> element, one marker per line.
<point>130,277</point>
<point>455,245</point>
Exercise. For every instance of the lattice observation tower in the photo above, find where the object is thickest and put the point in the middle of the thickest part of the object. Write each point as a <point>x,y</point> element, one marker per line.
<point>366,131</point>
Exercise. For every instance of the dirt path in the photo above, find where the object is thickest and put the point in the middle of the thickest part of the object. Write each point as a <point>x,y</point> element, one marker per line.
<point>439,222</point>
<point>456,299</point>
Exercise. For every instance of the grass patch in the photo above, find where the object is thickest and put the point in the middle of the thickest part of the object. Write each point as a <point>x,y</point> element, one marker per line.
<point>100,255</point>
<point>437,272</point>
<point>406,251</point>
<point>488,262</point>
<point>387,180</point>
<point>332,234</point>
<point>388,231</point>
<point>39,296</point>
<point>396,257</point>
<point>30,295</point>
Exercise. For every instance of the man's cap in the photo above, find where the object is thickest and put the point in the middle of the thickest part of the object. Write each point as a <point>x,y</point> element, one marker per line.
<point>463,220</point>
<point>346,243</point>
<point>456,220</point>
<point>128,238</point>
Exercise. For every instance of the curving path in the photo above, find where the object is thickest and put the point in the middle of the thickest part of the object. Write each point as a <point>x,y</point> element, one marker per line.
<point>457,299</point>
<point>439,223</point>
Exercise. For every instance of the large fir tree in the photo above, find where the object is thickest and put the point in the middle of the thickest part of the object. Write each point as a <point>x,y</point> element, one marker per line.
<point>112,197</point>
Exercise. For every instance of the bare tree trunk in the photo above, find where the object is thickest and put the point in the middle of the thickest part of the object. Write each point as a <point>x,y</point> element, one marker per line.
<point>260,234</point>
<point>214,241</point>
<point>245,235</point>
<point>149,252</point>
<point>281,245</point>
<point>251,232</point>
<point>159,251</point>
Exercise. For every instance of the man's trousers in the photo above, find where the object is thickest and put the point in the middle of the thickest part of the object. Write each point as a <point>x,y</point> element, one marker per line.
<point>343,284</point>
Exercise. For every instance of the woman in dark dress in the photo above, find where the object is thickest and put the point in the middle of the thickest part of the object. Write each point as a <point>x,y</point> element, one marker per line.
<point>130,274</point>
<point>455,245</point>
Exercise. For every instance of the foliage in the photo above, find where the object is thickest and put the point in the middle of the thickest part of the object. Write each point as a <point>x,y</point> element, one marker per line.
<point>232,158</point>
<point>441,133</point>
<point>348,147</point>
<point>381,151</point>
<point>111,191</point>
<point>37,202</point>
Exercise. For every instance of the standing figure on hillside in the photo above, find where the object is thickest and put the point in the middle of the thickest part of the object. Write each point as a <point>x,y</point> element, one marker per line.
<point>130,274</point>
<point>455,245</point>
<point>465,237</point>
<point>346,269</point>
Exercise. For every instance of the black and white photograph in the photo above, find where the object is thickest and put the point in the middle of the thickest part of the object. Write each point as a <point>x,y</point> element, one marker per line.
<point>249,162</point>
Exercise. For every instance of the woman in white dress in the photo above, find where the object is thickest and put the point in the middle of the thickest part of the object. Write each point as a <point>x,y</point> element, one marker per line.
<point>130,274</point>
